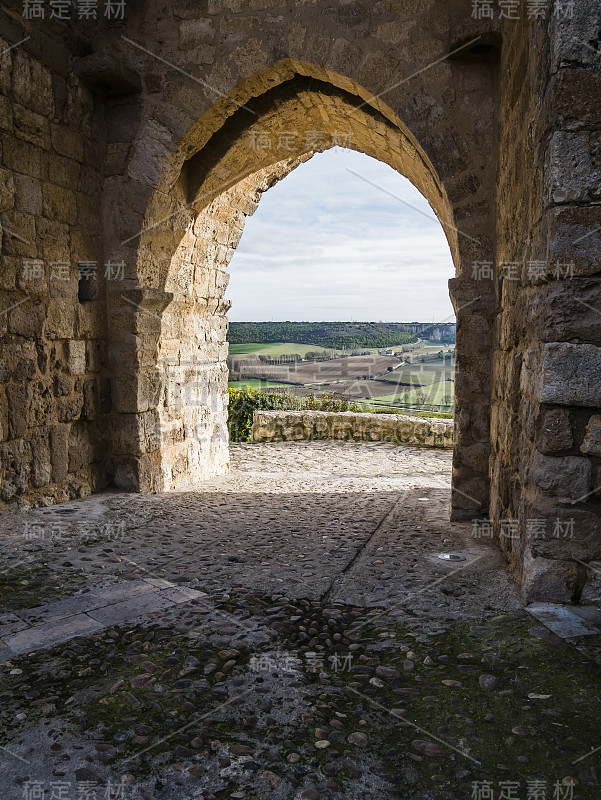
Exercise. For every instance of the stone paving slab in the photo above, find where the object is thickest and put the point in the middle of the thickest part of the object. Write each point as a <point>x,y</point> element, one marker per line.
<point>137,607</point>
<point>43,636</point>
<point>10,623</point>
<point>121,591</point>
<point>182,594</point>
<point>60,609</point>
<point>44,626</point>
<point>5,653</point>
<point>160,583</point>
<point>561,620</point>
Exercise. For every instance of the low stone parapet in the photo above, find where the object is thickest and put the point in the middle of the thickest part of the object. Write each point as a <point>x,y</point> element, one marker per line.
<point>293,426</point>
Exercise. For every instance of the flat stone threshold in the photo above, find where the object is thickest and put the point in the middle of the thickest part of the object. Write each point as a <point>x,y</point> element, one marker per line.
<point>567,621</point>
<point>31,629</point>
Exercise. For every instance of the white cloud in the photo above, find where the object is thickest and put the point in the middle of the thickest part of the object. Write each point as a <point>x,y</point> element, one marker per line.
<point>326,245</point>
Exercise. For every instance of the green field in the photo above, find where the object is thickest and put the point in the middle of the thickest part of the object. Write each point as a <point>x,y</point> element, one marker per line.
<point>434,394</point>
<point>403,386</point>
<point>406,380</point>
<point>276,349</point>
<point>405,377</point>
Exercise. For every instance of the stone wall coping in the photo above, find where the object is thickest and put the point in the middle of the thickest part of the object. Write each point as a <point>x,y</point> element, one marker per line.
<point>350,425</point>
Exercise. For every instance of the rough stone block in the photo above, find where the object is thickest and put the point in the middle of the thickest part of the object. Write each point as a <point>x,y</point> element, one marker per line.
<point>568,534</point>
<point>32,277</point>
<point>59,203</point>
<point>128,434</point>
<point>573,97</point>
<point>28,194</point>
<point>80,447</point>
<point>27,320</point>
<point>40,407</point>
<point>592,439</point>
<point>7,190</point>
<point>152,152</point>
<point>76,356</point>
<point>32,127</point>
<point>574,172</point>
<point>551,580</point>
<point>556,431</point>
<point>135,393</point>
<point>67,142</point>
<point>18,397</point>
<point>60,319</point>
<point>469,495</point>
<point>134,475</point>
<point>90,399</point>
<point>591,593</point>
<point>475,456</point>
<point>32,84</point>
<point>566,479</point>
<point>564,374</point>
<point>303,425</point>
<point>59,458</point>
<point>570,36</point>
<point>22,156</point>
<point>574,242</point>
<point>14,460</point>
<point>41,467</point>
<point>69,408</point>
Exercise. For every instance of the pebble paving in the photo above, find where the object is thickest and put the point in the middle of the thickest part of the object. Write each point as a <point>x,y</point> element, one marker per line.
<point>308,643</point>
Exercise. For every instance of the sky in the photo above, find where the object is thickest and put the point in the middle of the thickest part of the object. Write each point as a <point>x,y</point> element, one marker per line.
<point>326,245</point>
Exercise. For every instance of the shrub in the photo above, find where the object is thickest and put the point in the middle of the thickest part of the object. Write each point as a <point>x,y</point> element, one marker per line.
<point>244,402</point>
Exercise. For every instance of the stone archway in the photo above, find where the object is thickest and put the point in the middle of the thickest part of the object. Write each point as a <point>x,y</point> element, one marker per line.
<point>110,133</point>
<point>170,389</point>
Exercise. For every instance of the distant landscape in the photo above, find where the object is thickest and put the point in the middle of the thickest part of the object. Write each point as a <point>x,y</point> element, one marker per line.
<point>341,335</point>
<point>407,367</point>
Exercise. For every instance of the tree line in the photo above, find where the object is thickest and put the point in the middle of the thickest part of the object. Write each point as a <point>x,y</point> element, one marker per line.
<point>338,335</point>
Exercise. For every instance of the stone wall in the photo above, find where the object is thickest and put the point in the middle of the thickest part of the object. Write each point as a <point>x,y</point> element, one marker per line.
<point>278,84</point>
<point>110,157</point>
<point>292,426</point>
<point>54,392</point>
<point>545,463</point>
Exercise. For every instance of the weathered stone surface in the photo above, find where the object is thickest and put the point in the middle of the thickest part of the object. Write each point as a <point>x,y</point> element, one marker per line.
<point>568,479</point>
<point>556,431</point>
<point>569,374</point>
<point>592,439</point>
<point>52,633</point>
<point>41,468</point>
<point>76,356</point>
<point>59,458</point>
<point>548,579</point>
<point>564,533</point>
<point>281,426</point>
<point>574,173</point>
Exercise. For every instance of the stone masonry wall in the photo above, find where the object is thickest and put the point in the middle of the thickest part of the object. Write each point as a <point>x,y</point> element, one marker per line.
<point>54,389</point>
<point>277,83</point>
<point>108,156</point>
<point>546,459</point>
<point>292,426</point>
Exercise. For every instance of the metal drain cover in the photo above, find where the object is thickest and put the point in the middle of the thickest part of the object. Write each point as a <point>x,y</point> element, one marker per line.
<point>451,557</point>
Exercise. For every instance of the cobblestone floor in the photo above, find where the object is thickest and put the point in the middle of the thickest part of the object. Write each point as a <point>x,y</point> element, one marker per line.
<point>318,647</point>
